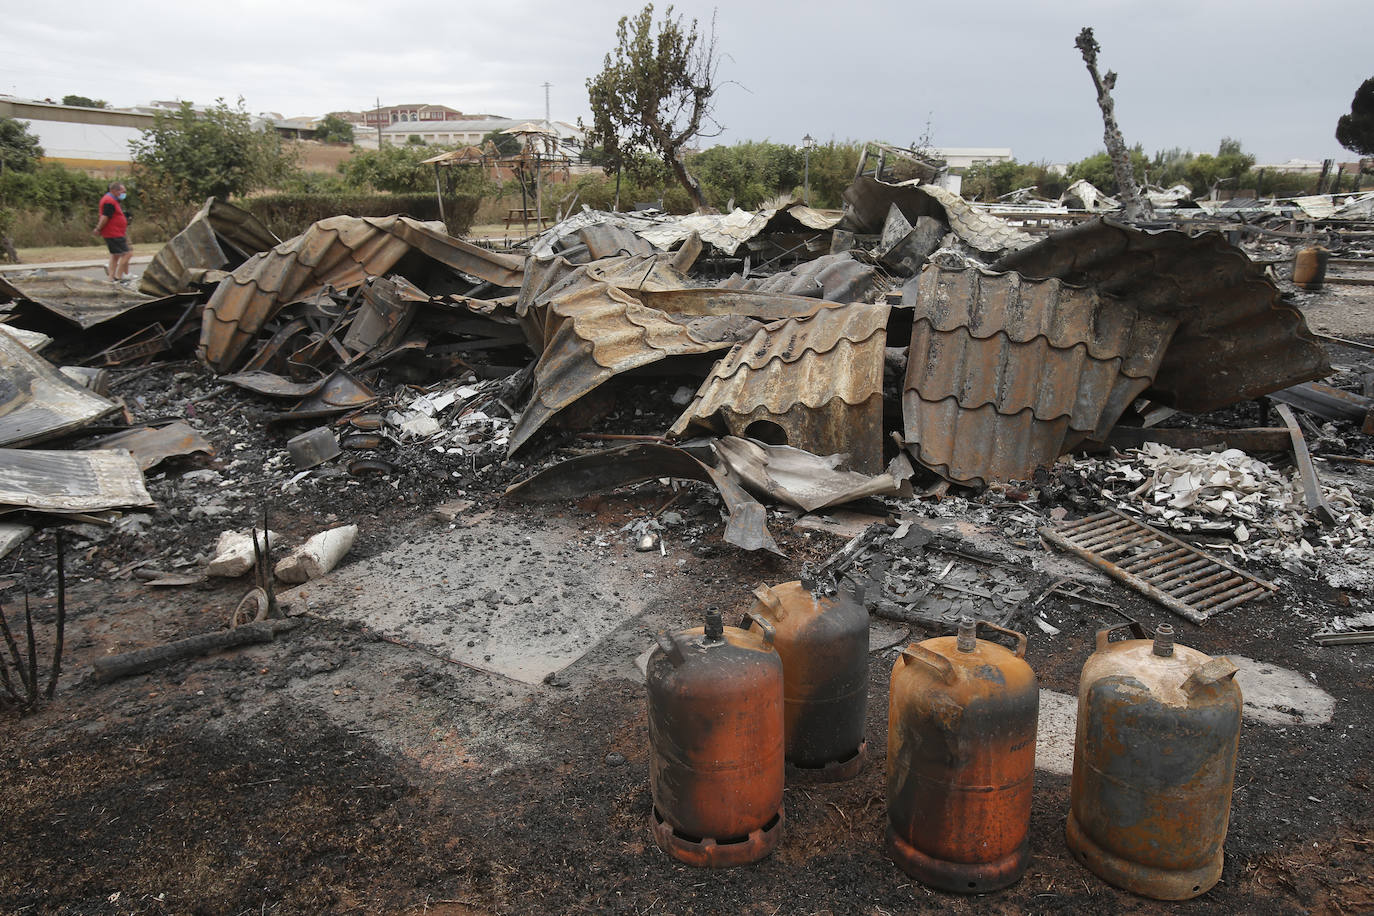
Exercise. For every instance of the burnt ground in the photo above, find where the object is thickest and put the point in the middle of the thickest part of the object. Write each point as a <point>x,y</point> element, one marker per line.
<point>337,770</point>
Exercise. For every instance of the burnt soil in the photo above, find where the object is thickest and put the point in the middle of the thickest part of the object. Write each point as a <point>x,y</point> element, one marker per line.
<point>336,771</point>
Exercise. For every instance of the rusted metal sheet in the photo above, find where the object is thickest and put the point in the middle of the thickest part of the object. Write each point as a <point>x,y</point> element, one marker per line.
<point>815,381</point>
<point>834,277</point>
<point>607,240</point>
<point>1004,374</point>
<point>1256,439</point>
<point>341,252</point>
<point>37,402</point>
<point>82,301</point>
<point>809,482</point>
<point>747,526</point>
<point>70,482</point>
<point>1324,401</point>
<point>220,236</point>
<point>1236,339</point>
<point>151,446</point>
<point>1311,484</point>
<point>593,322</point>
<point>1193,584</point>
<point>383,317</point>
<point>868,200</point>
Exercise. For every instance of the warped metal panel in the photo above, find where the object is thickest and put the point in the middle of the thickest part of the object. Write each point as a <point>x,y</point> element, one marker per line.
<point>1236,339</point>
<point>70,481</point>
<point>219,236</point>
<point>36,401</point>
<point>608,240</point>
<point>1004,373</point>
<point>81,301</point>
<point>342,252</point>
<point>868,201</point>
<point>819,379</point>
<point>594,321</point>
<point>838,277</point>
<point>151,446</point>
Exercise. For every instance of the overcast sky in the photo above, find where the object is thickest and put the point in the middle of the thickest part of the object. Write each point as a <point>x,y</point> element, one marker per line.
<point>999,73</point>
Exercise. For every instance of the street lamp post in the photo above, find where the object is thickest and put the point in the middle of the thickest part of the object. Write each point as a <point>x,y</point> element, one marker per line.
<point>807,142</point>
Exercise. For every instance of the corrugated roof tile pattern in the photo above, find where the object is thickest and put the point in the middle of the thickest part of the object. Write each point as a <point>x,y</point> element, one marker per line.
<point>37,402</point>
<point>1004,373</point>
<point>342,252</point>
<point>838,277</point>
<point>1236,339</point>
<point>592,329</point>
<point>818,378</point>
<point>868,201</point>
<point>202,245</point>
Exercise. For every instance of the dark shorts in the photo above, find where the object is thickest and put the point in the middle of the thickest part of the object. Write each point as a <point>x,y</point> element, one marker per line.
<point>118,245</point>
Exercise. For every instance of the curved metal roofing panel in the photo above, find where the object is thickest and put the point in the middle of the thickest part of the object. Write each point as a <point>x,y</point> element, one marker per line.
<point>1236,339</point>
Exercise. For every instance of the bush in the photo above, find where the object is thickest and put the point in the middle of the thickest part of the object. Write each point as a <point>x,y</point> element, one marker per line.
<point>289,215</point>
<point>52,187</point>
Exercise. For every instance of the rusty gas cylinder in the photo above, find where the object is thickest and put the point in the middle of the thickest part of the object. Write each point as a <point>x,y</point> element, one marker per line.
<point>961,760</point>
<point>716,732</point>
<point>1153,764</point>
<point>823,643</point>
<point>1309,268</point>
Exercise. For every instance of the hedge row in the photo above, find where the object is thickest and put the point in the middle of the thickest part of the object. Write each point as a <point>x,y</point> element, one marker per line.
<point>289,215</point>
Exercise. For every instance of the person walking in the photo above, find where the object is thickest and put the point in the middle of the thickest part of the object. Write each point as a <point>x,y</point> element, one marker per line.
<point>114,229</point>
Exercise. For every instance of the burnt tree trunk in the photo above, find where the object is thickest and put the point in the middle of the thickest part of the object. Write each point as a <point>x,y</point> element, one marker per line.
<point>1135,205</point>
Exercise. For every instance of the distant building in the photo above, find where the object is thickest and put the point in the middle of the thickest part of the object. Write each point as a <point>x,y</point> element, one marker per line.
<point>959,158</point>
<point>94,140</point>
<point>470,131</point>
<point>374,118</point>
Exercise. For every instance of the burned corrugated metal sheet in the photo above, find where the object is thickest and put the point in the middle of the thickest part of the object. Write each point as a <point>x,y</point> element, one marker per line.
<point>836,277</point>
<point>724,231</point>
<point>608,240</point>
<point>342,252</point>
<point>1236,339</point>
<point>868,200</point>
<point>36,401</point>
<point>818,379</point>
<point>592,322</point>
<point>151,446</point>
<point>82,301</point>
<point>219,237</point>
<point>1004,373</point>
<point>70,481</point>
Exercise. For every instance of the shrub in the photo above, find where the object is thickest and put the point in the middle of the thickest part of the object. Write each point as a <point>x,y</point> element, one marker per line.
<point>289,215</point>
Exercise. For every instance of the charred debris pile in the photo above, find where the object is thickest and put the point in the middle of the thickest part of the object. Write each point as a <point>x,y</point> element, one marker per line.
<point>914,351</point>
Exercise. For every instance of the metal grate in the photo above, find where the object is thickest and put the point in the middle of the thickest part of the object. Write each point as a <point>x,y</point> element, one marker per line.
<point>1187,581</point>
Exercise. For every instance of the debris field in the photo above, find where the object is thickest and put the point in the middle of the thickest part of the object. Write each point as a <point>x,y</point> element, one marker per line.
<point>354,548</point>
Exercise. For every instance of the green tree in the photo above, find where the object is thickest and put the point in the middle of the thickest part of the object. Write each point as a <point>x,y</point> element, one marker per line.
<point>334,129</point>
<point>82,101</point>
<point>19,149</point>
<point>504,143</point>
<point>396,169</point>
<point>215,152</point>
<point>1355,131</point>
<point>749,172</point>
<point>655,91</point>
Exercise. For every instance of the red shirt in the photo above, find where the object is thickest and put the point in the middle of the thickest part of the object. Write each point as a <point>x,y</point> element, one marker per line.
<point>117,226</point>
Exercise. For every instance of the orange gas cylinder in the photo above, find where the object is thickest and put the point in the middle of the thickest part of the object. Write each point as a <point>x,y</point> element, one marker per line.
<point>1309,268</point>
<point>823,642</point>
<point>961,761</point>
<point>716,731</point>
<point>1153,765</point>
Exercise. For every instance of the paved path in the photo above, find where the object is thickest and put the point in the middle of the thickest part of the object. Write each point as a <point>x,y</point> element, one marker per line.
<point>137,260</point>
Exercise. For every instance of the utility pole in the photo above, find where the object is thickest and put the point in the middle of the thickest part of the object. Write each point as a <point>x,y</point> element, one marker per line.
<point>547,121</point>
<point>378,113</point>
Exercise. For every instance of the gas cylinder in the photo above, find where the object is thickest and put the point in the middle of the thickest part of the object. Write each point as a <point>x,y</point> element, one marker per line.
<point>1153,764</point>
<point>716,733</point>
<point>961,760</point>
<point>823,643</point>
<point>1309,268</point>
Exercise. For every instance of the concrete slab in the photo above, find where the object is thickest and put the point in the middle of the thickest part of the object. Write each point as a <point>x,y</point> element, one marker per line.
<point>521,603</point>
